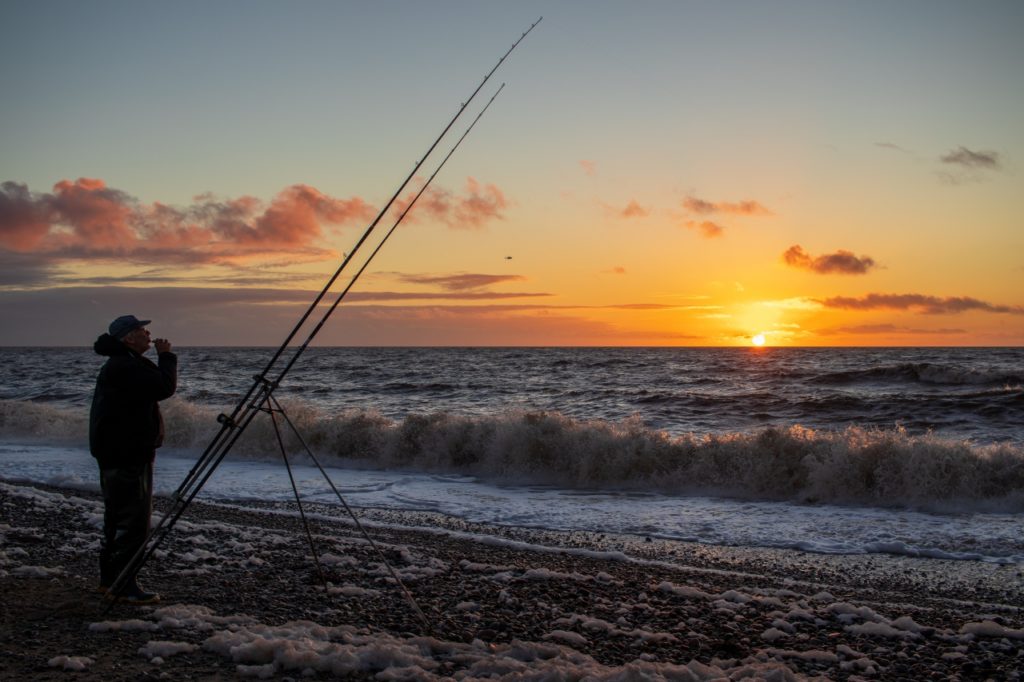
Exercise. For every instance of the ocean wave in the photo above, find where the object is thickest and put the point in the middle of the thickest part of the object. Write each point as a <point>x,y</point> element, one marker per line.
<point>923,373</point>
<point>856,465</point>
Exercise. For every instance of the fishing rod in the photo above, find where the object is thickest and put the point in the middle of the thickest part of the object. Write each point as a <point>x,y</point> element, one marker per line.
<point>232,426</point>
<point>229,422</point>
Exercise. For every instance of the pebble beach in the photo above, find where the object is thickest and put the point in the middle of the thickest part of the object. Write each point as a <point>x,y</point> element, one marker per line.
<point>242,598</point>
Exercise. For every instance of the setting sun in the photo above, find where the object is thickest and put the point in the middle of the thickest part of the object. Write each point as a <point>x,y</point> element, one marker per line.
<point>758,340</point>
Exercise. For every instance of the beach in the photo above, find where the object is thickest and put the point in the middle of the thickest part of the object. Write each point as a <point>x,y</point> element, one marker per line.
<point>242,599</point>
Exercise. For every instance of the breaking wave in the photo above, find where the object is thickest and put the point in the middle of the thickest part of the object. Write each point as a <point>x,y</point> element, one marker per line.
<point>855,465</point>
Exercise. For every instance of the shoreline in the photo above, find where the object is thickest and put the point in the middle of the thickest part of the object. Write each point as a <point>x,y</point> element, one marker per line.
<point>241,593</point>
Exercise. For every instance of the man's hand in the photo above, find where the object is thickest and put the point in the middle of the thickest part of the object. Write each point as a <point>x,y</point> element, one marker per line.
<point>162,345</point>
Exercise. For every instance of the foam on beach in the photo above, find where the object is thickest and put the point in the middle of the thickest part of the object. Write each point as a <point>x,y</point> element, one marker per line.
<point>516,614</point>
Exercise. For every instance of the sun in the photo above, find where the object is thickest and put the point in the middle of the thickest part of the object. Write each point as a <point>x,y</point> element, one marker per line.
<point>758,340</point>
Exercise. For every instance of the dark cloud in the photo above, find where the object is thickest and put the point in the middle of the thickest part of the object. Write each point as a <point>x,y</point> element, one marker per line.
<point>962,156</point>
<point>931,305</point>
<point>841,262</point>
<point>695,205</point>
<point>963,166</point>
<point>219,315</point>
<point>462,281</point>
<point>151,277</point>
<point>195,316</point>
<point>890,145</point>
<point>236,316</point>
<point>435,295</point>
<point>744,208</point>
<point>871,329</point>
<point>25,270</point>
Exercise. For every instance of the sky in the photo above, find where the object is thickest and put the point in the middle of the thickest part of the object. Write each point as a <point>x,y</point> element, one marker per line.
<point>652,173</point>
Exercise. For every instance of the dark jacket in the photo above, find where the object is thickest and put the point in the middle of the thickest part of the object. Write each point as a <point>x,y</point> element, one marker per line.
<point>125,425</point>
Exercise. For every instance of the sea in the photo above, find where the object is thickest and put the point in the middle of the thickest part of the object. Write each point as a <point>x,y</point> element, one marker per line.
<point>912,451</point>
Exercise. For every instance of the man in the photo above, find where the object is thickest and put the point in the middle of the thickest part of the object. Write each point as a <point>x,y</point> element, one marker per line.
<point>125,429</point>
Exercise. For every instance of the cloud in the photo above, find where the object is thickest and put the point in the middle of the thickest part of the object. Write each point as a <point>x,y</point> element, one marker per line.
<point>795,303</point>
<point>706,227</point>
<point>962,156</point>
<point>475,206</point>
<point>25,270</point>
<point>964,165</point>
<point>637,306</point>
<point>702,207</point>
<point>695,205</point>
<point>294,217</point>
<point>870,329</point>
<point>461,282</point>
<point>448,295</point>
<point>23,221</point>
<point>85,219</point>
<point>589,167</point>
<point>841,262</point>
<point>743,208</point>
<point>890,145</point>
<point>238,277</point>
<point>617,270</point>
<point>634,210</point>
<point>196,316</point>
<point>931,305</point>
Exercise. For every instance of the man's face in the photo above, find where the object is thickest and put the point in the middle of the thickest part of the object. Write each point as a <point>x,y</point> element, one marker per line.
<point>137,340</point>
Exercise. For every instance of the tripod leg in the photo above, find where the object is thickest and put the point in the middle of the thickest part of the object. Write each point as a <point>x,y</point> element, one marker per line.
<point>295,489</point>
<point>405,591</point>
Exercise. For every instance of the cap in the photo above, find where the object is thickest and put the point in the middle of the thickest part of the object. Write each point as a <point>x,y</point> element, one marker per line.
<point>125,324</point>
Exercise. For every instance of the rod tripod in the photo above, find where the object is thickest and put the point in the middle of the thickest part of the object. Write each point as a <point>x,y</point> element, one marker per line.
<point>260,397</point>
<point>274,408</point>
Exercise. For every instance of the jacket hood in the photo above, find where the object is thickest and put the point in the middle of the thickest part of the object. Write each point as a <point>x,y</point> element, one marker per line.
<point>109,346</point>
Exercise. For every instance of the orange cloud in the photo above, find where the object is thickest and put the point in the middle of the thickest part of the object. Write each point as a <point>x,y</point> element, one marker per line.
<point>481,203</point>
<point>97,215</point>
<point>931,305</point>
<point>475,206</point>
<point>703,207</point>
<point>85,218</point>
<point>589,167</point>
<point>707,228</point>
<point>294,217</point>
<point>24,222</point>
<point>634,210</point>
<point>841,262</point>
